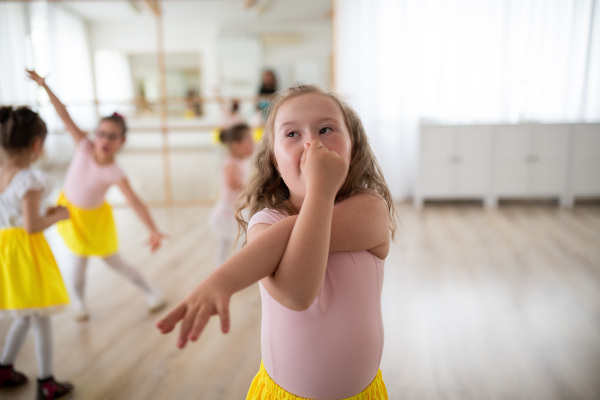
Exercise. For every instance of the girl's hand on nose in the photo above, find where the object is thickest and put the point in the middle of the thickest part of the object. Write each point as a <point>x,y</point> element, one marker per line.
<point>324,170</point>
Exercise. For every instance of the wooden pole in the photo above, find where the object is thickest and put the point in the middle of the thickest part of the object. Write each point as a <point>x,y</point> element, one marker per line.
<point>163,101</point>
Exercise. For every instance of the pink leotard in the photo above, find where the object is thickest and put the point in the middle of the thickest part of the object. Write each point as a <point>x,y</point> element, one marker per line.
<point>333,349</point>
<point>87,181</point>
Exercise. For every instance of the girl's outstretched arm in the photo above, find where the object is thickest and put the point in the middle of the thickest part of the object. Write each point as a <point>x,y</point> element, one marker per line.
<point>211,297</point>
<point>142,212</point>
<point>60,108</point>
<point>32,221</point>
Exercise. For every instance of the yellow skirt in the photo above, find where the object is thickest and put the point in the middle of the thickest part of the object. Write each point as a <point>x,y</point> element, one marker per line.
<point>89,232</point>
<point>30,281</point>
<point>265,388</point>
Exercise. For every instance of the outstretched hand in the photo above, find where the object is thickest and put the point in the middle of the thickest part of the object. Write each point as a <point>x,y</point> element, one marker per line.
<point>210,297</point>
<point>31,74</point>
<point>155,239</point>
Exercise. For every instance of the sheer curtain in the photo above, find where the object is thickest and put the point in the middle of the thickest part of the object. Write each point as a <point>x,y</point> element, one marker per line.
<point>53,41</point>
<point>461,61</point>
<point>15,52</point>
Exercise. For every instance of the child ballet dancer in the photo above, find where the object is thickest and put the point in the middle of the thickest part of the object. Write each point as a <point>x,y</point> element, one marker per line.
<point>90,230</point>
<point>321,218</point>
<point>234,174</point>
<point>31,287</point>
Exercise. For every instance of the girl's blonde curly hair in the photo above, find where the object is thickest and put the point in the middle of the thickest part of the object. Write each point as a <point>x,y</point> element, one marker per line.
<point>266,188</point>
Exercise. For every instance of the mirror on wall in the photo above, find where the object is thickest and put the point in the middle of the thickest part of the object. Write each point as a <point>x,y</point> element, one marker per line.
<point>198,58</point>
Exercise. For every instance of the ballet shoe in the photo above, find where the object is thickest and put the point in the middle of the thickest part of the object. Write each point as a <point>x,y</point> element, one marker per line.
<point>9,378</point>
<point>50,389</point>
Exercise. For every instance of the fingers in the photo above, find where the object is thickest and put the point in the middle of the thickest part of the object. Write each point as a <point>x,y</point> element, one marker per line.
<point>186,326</point>
<point>200,322</point>
<point>167,324</point>
<point>223,310</point>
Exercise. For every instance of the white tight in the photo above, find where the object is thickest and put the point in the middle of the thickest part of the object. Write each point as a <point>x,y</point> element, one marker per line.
<point>116,263</point>
<point>42,334</point>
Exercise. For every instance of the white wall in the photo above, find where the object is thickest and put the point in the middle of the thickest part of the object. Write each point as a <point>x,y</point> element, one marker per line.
<point>305,59</point>
<point>139,36</point>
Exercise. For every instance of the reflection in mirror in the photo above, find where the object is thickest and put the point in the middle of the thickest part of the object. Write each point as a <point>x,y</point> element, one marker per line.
<point>175,73</point>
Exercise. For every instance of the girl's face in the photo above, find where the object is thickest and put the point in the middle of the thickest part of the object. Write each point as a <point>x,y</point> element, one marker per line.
<point>243,148</point>
<point>109,139</point>
<point>301,120</point>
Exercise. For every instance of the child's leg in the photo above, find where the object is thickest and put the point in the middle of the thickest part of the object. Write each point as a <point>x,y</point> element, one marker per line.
<point>223,250</point>
<point>78,286</point>
<point>48,387</point>
<point>42,334</point>
<point>14,340</point>
<point>9,378</point>
<point>117,263</point>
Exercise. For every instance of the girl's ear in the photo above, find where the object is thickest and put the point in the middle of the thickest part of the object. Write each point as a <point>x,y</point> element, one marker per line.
<point>37,144</point>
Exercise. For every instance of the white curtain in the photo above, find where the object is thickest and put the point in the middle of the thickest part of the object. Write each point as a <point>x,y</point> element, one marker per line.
<point>463,61</point>
<point>15,52</point>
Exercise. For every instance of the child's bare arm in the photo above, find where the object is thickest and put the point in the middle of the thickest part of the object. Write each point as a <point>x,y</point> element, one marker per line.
<point>32,221</point>
<point>142,212</point>
<point>301,272</point>
<point>60,108</point>
<point>211,297</point>
<point>359,223</point>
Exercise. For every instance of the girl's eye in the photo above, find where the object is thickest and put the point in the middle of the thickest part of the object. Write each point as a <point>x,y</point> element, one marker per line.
<point>325,130</point>
<point>292,134</point>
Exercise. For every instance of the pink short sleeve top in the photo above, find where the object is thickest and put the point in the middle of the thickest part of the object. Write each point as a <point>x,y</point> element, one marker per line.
<point>333,349</point>
<point>87,181</point>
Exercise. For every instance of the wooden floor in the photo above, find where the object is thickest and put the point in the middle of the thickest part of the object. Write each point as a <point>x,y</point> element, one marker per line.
<point>477,304</point>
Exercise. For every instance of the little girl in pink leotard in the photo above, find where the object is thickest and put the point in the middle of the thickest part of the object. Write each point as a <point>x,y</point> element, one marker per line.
<point>321,218</point>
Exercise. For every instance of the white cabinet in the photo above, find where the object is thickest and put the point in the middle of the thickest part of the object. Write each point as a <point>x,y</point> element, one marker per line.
<point>454,162</point>
<point>584,177</point>
<point>492,162</point>
<point>531,161</point>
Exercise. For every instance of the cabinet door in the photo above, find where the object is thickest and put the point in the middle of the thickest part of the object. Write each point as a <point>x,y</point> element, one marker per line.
<point>512,160</point>
<point>585,167</point>
<point>437,154</point>
<point>550,160</point>
<point>473,149</point>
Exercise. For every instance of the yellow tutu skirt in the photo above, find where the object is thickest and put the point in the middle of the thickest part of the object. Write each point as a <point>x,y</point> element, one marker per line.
<point>89,232</point>
<point>265,388</point>
<point>30,281</point>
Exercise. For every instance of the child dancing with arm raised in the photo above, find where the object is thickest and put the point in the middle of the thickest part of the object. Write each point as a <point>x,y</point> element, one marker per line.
<point>91,231</point>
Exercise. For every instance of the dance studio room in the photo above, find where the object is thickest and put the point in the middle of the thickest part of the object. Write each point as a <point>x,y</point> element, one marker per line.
<point>165,226</point>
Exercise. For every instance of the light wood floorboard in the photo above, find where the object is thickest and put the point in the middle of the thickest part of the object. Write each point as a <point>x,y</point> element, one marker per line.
<point>477,304</point>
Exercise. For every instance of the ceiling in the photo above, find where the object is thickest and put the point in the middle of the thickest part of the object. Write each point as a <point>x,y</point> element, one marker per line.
<point>226,12</point>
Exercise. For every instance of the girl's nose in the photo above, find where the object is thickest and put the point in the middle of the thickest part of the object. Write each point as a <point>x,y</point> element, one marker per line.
<point>310,137</point>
